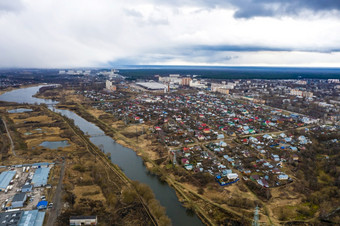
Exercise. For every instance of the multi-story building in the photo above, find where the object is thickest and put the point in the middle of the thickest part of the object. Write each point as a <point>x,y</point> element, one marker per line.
<point>109,86</point>
<point>186,81</point>
<point>296,92</point>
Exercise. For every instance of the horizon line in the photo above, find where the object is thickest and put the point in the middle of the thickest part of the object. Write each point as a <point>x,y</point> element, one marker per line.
<point>124,67</point>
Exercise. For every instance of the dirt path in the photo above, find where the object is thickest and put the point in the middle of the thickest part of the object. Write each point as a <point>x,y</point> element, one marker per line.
<point>10,138</point>
<point>57,204</point>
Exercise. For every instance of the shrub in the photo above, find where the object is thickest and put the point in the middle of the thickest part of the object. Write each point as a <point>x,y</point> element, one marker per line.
<point>79,168</point>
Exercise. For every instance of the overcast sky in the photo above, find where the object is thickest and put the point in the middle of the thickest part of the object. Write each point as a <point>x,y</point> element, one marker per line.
<point>87,33</point>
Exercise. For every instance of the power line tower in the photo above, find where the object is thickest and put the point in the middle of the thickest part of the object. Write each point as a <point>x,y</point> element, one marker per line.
<point>256,217</point>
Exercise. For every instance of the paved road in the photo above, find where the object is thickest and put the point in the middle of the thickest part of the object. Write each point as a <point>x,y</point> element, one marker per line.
<point>57,204</point>
<point>10,138</point>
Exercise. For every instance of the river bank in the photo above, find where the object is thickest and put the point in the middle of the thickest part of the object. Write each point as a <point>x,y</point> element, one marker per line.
<point>91,178</point>
<point>187,194</point>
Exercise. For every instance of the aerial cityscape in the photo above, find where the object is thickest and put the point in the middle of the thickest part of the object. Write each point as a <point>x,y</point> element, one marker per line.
<point>169,113</point>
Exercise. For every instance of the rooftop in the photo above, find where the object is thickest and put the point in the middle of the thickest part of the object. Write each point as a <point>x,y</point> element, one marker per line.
<point>10,218</point>
<point>40,177</point>
<point>152,85</point>
<point>19,197</point>
<point>5,179</point>
<point>82,217</point>
<point>32,217</point>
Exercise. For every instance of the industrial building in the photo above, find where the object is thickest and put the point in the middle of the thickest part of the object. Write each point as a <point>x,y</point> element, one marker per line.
<point>5,179</point>
<point>10,218</point>
<point>83,220</point>
<point>32,217</point>
<point>19,200</point>
<point>153,86</point>
<point>22,218</point>
<point>40,177</point>
<point>26,188</point>
<point>40,165</point>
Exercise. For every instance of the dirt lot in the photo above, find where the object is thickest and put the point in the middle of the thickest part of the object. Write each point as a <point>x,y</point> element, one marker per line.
<point>19,180</point>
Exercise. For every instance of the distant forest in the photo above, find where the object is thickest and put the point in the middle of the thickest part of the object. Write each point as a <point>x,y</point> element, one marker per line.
<point>234,72</point>
<point>148,72</point>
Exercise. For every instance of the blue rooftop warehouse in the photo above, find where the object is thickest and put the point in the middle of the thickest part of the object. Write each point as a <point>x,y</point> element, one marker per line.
<point>40,177</point>
<point>5,179</point>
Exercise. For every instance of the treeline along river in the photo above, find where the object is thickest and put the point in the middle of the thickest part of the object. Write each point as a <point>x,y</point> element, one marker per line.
<point>131,164</point>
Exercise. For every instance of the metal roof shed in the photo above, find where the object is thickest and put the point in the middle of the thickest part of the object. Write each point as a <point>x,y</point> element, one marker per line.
<point>32,217</point>
<point>40,177</point>
<point>26,188</point>
<point>19,199</point>
<point>40,164</point>
<point>10,218</point>
<point>5,179</point>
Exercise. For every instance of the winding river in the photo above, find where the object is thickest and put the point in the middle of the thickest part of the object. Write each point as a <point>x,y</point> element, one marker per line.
<point>131,164</point>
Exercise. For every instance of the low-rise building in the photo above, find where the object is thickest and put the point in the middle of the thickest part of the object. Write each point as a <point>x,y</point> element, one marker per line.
<point>26,188</point>
<point>19,200</point>
<point>5,179</point>
<point>40,177</point>
<point>83,220</point>
<point>10,218</point>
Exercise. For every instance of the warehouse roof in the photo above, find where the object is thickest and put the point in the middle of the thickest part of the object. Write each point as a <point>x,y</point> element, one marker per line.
<point>26,186</point>
<point>152,85</point>
<point>19,197</point>
<point>82,217</point>
<point>38,164</point>
<point>10,218</point>
<point>32,217</point>
<point>5,179</point>
<point>40,177</point>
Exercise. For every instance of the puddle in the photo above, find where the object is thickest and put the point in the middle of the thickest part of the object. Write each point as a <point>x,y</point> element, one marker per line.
<point>54,144</point>
<point>20,110</point>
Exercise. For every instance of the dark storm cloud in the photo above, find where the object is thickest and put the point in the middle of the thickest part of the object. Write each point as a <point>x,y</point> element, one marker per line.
<point>270,8</point>
<point>266,8</point>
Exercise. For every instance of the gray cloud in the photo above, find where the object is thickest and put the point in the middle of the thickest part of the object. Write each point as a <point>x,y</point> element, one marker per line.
<point>152,20</point>
<point>133,13</point>
<point>270,8</point>
<point>63,33</point>
<point>266,8</point>
<point>254,48</point>
<point>10,5</point>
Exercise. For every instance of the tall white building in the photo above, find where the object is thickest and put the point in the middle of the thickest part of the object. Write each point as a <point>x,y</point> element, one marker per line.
<point>109,86</point>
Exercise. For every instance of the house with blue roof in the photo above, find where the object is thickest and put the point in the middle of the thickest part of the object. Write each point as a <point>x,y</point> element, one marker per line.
<point>42,205</point>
